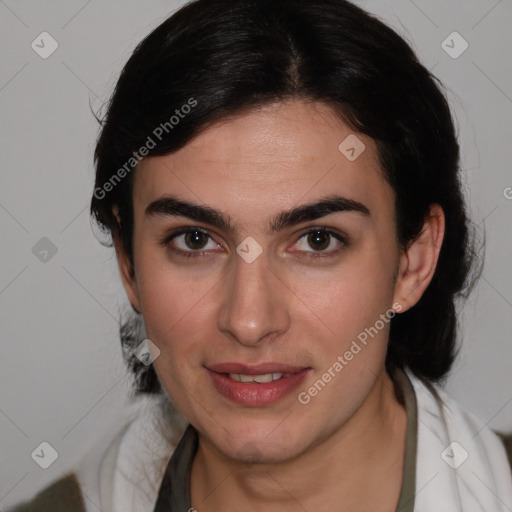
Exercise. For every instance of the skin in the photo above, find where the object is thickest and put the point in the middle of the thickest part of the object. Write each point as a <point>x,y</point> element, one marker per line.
<point>286,306</point>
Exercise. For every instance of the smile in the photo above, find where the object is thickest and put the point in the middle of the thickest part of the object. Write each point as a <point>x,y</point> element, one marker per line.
<point>256,386</point>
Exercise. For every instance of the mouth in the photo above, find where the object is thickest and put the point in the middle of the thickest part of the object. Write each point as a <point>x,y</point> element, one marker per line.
<point>258,385</point>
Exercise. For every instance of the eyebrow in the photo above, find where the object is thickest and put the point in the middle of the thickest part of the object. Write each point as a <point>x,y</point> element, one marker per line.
<point>169,206</point>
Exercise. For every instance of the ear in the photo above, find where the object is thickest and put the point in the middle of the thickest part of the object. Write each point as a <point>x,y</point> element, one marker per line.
<point>418,263</point>
<point>125,267</point>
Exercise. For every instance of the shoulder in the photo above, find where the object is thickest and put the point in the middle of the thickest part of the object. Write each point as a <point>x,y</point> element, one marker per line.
<point>123,463</point>
<point>67,493</point>
<point>462,458</point>
<point>61,496</point>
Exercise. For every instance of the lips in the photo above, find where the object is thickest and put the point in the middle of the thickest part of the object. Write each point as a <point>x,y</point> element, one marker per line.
<point>256,385</point>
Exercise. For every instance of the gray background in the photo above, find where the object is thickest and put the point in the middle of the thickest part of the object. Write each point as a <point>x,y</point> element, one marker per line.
<point>63,379</point>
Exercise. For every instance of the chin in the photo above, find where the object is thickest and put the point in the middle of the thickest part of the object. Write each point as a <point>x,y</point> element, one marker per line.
<point>258,447</point>
<point>254,454</point>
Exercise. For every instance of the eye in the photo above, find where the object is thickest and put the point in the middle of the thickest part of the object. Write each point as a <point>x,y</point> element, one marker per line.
<point>190,242</point>
<point>320,240</point>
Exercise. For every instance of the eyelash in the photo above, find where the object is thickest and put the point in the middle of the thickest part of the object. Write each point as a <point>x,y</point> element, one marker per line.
<point>311,254</point>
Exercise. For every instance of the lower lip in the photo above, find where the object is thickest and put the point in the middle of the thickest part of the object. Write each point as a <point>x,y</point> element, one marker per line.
<point>254,394</point>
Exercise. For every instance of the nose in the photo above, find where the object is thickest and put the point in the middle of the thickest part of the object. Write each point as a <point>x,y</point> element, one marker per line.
<point>254,306</point>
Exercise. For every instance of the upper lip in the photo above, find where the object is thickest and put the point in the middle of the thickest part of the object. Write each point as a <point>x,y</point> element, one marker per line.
<point>257,369</point>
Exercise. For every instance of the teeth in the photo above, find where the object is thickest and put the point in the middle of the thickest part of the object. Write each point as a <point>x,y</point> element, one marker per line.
<point>262,379</point>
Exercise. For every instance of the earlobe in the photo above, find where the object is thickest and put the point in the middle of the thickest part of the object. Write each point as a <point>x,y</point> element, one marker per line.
<point>418,263</point>
<point>125,267</point>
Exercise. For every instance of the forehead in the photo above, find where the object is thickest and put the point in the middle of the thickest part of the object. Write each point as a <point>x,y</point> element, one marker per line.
<point>267,160</point>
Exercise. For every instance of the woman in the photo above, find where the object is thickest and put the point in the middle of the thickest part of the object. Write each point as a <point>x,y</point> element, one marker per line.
<point>281,183</point>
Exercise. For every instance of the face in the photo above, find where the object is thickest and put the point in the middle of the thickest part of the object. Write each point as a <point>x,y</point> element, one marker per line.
<point>230,287</point>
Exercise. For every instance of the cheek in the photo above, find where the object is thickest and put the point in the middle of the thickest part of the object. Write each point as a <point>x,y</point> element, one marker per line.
<point>178,314</point>
<point>175,299</point>
<point>352,296</point>
<point>175,309</point>
<point>353,307</point>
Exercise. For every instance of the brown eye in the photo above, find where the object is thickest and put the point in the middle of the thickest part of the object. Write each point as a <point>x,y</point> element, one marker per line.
<point>196,239</point>
<point>319,240</point>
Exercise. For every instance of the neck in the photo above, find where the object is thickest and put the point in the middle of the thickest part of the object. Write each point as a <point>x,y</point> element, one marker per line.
<point>360,466</point>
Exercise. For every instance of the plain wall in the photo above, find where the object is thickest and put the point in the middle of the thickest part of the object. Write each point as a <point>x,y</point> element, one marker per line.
<point>63,379</point>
